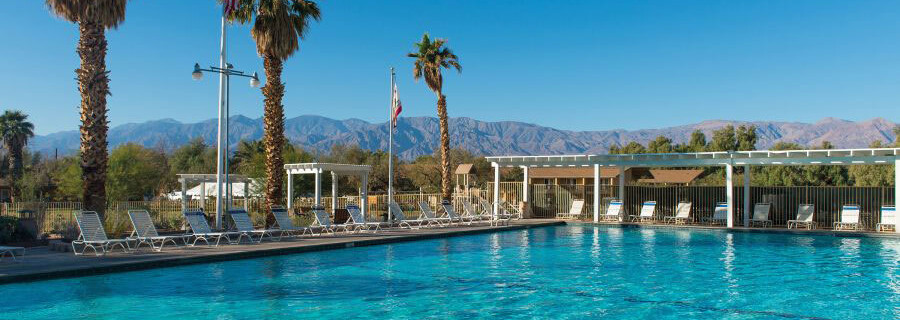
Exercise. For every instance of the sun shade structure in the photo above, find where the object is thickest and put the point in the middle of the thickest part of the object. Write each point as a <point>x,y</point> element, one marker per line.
<point>203,179</point>
<point>336,169</point>
<point>727,160</point>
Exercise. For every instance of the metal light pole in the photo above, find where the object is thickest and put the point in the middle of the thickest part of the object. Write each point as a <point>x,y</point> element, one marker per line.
<point>222,198</point>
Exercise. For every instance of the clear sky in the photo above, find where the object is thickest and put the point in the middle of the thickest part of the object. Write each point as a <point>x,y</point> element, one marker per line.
<point>578,65</point>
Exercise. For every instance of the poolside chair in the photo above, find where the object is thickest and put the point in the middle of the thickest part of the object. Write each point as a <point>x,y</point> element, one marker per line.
<point>889,219</point>
<point>682,214</point>
<point>358,220</point>
<point>245,227</point>
<point>94,236</point>
<point>402,221</point>
<point>720,214</point>
<point>12,251</point>
<point>323,221</point>
<point>805,214</point>
<point>497,218</point>
<point>648,208</point>
<point>761,214</point>
<point>514,212</point>
<point>451,213</point>
<point>613,210</point>
<point>849,218</point>
<point>201,231</point>
<point>283,223</point>
<point>473,213</point>
<point>428,214</point>
<point>574,210</point>
<point>145,232</point>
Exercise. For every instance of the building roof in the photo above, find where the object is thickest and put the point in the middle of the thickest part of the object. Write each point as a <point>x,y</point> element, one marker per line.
<point>339,168</point>
<point>673,176</point>
<point>465,168</point>
<point>571,172</point>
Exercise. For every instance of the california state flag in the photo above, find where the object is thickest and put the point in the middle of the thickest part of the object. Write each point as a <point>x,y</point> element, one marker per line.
<point>396,107</point>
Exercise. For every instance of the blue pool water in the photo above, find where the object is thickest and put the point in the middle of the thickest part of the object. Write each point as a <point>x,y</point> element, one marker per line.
<point>555,272</point>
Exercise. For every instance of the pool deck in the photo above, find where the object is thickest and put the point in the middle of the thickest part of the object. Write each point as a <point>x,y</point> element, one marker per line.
<point>40,263</point>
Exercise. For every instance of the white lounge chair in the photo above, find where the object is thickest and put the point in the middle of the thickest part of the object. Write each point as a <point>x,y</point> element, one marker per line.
<point>805,213</point>
<point>323,221</point>
<point>574,210</point>
<point>454,216</point>
<point>849,218</point>
<point>514,212</point>
<point>245,227</point>
<point>401,220</point>
<point>201,231</point>
<point>12,252</point>
<point>720,214</point>
<point>428,214</point>
<point>145,232</point>
<point>358,220</point>
<point>473,213</point>
<point>94,236</point>
<point>648,208</point>
<point>761,214</point>
<point>682,214</point>
<point>889,219</point>
<point>613,211</point>
<point>283,223</point>
<point>497,218</point>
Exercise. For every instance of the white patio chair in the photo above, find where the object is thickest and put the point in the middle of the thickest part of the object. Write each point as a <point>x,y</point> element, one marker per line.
<point>145,232</point>
<point>401,220</point>
<point>323,221</point>
<point>497,218</point>
<point>451,213</point>
<point>805,213</point>
<point>473,213</point>
<point>358,220</point>
<point>245,227</point>
<point>574,210</point>
<point>682,214</point>
<point>201,231</point>
<point>284,225</point>
<point>94,236</point>
<point>12,252</point>
<point>648,208</point>
<point>428,214</point>
<point>613,211</point>
<point>761,214</point>
<point>720,214</point>
<point>889,219</point>
<point>849,218</point>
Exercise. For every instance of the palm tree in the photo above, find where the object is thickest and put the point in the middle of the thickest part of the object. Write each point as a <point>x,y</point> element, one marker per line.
<point>93,17</point>
<point>277,29</point>
<point>430,59</point>
<point>15,131</point>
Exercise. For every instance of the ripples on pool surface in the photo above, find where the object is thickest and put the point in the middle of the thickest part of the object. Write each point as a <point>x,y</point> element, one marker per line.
<point>555,272</point>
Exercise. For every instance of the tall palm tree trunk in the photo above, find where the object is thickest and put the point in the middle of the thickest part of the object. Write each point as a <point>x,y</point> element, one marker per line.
<point>93,83</point>
<point>273,138</point>
<point>445,147</point>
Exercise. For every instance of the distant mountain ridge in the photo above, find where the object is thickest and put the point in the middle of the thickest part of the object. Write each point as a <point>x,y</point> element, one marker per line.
<point>418,136</point>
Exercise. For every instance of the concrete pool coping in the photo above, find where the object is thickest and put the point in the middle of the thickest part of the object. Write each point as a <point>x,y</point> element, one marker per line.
<point>44,264</point>
<point>821,232</point>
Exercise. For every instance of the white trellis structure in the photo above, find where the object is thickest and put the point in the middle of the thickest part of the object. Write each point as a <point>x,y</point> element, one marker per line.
<point>336,169</point>
<point>728,160</point>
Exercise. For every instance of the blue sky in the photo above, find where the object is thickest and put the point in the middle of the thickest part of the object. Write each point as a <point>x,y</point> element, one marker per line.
<point>579,65</point>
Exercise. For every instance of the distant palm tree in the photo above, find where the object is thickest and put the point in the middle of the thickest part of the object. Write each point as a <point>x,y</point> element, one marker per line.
<point>93,18</point>
<point>15,131</point>
<point>430,59</point>
<point>277,29</point>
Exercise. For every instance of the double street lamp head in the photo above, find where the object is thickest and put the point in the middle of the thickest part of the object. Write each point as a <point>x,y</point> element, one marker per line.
<point>197,74</point>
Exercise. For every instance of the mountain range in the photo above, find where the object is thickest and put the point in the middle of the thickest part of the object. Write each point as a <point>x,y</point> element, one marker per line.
<point>416,136</point>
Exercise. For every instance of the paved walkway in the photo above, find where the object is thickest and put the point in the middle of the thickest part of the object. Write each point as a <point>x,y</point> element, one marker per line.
<point>41,264</point>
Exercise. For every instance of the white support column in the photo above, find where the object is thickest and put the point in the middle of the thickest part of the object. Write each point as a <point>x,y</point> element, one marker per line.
<point>525,184</point>
<point>729,193</point>
<point>246,196</point>
<point>496,190</point>
<point>364,194</point>
<point>897,188</point>
<point>334,190</point>
<point>596,193</point>
<point>747,199</point>
<point>290,192</point>
<point>184,198</point>
<point>318,187</point>
<point>622,189</point>
<point>203,196</point>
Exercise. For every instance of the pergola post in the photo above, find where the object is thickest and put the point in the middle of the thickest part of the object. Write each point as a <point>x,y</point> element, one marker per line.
<point>729,193</point>
<point>364,194</point>
<point>184,198</point>
<point>622,188</point>
<point>246,196</point>
<point>897,188</point>
<point>525,184</point>
<point>334,190</point>
<point>290,191</point>
<point>496,190</point>
<point>747,201</point>
<point>318,187</point>
<point>596,193</point>
<point>203,196</point>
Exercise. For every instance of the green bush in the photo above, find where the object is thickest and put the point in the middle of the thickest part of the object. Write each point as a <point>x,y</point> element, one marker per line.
<point>10,231</point>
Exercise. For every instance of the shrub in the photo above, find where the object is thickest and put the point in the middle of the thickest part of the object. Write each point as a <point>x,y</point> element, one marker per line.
<point>11,231</point>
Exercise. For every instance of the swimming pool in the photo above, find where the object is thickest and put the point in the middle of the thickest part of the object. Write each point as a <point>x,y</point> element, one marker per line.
<point>574,271</point>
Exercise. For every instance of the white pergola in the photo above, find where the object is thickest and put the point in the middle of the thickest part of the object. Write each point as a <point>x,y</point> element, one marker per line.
<point>727,160</point>
<point>336,169</point>
<point>203,179</point>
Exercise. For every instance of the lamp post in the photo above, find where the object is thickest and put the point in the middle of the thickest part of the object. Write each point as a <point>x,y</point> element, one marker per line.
<point>223,198</point>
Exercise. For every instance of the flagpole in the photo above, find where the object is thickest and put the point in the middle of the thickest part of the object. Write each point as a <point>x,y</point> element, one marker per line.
<point>391,149</point>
